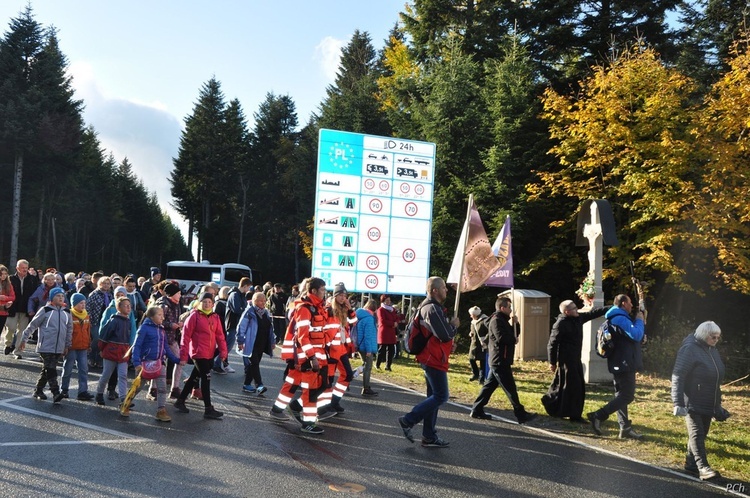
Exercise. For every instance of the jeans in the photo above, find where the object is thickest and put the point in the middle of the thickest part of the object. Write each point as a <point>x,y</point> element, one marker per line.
<point>624,395</point>
<point>427,410</point>
<point>122,377</point>
<point>79,357</point>
<point>367,370</point>
<point>697,426</point>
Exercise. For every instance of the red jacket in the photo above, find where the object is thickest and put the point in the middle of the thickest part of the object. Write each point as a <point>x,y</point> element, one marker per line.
<point>6,297</point>
<point>310,332</point>
<point>387,321</point>
<point>201,334</point>
<point>340,338</point>
<point>438,350</point>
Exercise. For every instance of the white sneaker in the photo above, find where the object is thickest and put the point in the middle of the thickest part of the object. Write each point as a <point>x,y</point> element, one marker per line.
<point>229,369</point>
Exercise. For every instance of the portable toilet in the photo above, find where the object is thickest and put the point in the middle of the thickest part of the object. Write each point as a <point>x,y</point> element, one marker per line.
<point>532,309</point>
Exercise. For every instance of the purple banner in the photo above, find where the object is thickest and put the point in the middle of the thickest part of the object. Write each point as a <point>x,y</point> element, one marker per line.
<point>503,250</point>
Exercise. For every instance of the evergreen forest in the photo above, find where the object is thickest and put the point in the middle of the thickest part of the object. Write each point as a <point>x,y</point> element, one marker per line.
<point>535,107</point>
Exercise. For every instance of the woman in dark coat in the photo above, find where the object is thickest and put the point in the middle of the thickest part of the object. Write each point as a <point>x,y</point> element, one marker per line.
<point>568,390</point>
<point>696,393</point>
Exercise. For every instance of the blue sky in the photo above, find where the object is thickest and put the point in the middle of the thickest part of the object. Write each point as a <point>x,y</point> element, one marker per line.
<point>139,65</point>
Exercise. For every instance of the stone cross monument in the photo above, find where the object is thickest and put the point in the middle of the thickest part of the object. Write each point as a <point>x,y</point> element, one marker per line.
<point>596,226</point>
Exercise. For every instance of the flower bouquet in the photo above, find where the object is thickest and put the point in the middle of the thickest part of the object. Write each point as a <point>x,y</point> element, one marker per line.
<point>587,290</point>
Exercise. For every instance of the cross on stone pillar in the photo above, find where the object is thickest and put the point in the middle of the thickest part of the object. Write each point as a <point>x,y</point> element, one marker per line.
<point>593,232</point>
<point>596,227</point>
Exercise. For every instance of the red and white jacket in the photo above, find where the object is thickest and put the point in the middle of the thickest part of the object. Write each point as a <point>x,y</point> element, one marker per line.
<point>306,336</point>
<point>340,340</point>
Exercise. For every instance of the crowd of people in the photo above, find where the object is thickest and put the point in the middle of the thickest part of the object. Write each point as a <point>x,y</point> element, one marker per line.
<point>114,323</point>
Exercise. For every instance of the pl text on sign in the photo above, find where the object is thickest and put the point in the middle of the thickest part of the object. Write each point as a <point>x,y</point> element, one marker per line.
<point>373,212</point>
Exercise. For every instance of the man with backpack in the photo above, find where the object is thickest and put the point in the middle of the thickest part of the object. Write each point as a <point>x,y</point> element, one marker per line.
<point>502,346</point>
<point>624,361</point>
<point>434,360</point>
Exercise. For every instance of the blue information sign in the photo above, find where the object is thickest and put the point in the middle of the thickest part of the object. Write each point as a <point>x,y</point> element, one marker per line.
<point>373,212</point>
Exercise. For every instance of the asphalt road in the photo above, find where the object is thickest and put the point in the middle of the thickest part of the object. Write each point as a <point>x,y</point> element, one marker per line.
<point>77,448</point>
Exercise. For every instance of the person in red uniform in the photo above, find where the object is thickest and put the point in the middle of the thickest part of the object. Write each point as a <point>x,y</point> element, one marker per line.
<point>341,317</point>
<point>304,348</point>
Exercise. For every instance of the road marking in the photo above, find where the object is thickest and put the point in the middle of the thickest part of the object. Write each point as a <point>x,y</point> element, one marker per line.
<point>126,438</point>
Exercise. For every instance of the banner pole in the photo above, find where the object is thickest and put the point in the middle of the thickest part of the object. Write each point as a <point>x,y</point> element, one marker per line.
<point>463,255</point>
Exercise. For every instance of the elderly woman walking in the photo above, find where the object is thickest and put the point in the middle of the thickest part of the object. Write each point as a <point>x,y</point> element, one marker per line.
<point>696,393</point>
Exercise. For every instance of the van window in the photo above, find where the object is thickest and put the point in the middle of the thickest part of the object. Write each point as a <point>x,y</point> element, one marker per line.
<point>235,274</point>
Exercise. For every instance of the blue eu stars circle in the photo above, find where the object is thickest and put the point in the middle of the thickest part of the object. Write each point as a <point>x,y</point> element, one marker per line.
<point>341,155</point>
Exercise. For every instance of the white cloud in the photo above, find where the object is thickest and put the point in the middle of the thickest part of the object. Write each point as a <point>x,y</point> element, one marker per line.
<point>328,55</point>
<point>145,133</point>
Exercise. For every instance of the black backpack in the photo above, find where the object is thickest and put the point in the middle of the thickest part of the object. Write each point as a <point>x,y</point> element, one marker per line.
<point>605,339</point>
<point>416,335</point>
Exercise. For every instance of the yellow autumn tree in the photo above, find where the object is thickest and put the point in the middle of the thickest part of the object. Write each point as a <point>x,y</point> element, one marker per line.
<point>625,137</point>
<point>721,213</point>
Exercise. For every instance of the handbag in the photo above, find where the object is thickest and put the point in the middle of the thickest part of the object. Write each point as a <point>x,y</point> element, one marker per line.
<point>152,368</point>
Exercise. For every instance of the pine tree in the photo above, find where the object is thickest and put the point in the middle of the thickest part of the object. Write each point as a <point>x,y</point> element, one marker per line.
<point>710,29</point>
<point>350,104</point>
<point>272,232</point>
<point>20,104</point>
<point>200,165</point>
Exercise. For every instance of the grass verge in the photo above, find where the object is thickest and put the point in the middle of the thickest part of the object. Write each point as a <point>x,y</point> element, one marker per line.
<point>728,443</point>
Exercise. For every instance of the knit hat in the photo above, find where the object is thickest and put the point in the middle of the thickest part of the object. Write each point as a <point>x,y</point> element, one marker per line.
<point>120,289</point>
<point>155,271</point>
<point>339,288</point>
<point>475,311</point>
<point>77,298</point>
<point>205,295</point>
<point>55,292</point>
<point>171,289</point>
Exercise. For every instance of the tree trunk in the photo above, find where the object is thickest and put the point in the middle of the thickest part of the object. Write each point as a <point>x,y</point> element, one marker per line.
<point>16,214</point>
<point>190,235</point>
<point>39,228</point>
<point>242,217</point>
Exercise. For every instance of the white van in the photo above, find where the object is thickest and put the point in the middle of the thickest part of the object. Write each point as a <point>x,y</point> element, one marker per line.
<point>191,275</point>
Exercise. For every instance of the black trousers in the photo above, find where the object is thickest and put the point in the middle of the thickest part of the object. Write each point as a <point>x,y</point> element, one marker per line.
<point>624,395</point>
<point>201,371</point>
<point>386,352</point>
<point>500,376</point>
<point>48,375</point>
<point>697,426</point>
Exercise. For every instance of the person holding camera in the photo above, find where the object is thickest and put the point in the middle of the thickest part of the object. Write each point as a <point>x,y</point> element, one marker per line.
<point>696,393</point>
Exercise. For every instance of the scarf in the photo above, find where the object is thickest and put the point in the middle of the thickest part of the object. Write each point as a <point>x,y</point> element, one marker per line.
<point>81,315</point>
<point>389,308</point>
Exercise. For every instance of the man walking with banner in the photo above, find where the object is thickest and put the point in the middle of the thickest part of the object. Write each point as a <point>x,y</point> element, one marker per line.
<point>476,263</point>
